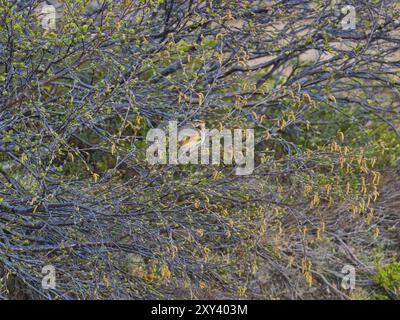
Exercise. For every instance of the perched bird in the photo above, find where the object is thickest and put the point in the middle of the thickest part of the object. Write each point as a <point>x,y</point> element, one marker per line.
<point>191,134</point>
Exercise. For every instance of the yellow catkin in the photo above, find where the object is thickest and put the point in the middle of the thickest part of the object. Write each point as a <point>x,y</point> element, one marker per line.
<point>373,162</point>
<point>291,260</point>
<point>200,98</point>
<point>95,177</point>
<point>370,216</point>
<point>376,233</point>
<point>309,278</point>
<point>165,273</point>
<point>341,136</point>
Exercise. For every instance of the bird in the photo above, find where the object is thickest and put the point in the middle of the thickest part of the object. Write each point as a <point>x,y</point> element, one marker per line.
<point>191,135</point>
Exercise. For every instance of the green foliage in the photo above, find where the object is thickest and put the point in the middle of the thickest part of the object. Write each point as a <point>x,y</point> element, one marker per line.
<point>388,277</point>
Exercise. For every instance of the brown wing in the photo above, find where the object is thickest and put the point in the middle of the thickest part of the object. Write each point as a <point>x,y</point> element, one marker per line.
<point>192,135</point>
<point>184,141</point>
